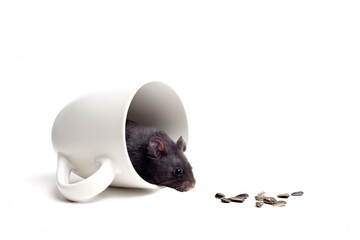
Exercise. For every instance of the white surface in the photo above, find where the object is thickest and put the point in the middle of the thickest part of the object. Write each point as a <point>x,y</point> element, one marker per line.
<point>268,97</point>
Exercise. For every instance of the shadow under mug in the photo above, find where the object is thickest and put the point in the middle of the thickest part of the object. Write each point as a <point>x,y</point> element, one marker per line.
<point>89,136</point>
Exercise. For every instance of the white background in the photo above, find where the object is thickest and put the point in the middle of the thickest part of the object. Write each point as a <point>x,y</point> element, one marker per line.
<point>268,90</point>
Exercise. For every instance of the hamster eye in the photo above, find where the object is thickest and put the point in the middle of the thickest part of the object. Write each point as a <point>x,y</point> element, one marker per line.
<point>178,172</point>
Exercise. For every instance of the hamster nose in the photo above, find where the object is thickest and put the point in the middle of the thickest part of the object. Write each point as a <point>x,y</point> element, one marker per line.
<point>190,187</point>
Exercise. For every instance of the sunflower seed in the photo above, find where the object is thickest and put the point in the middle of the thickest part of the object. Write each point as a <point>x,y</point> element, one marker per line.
<point>259,204</point>
<point>225,200</point>
<point>300,193</point>
<point>283,195</point>
<point>219,195</point>
<point>279,204</point>
<point>261,193</point>
<point>236,199</point>
<point>269,200</point>
<point>243,195</point>
<point>260,196</point>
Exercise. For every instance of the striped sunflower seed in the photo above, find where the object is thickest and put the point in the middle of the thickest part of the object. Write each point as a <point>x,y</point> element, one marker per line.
<point>225,200</point>
<point>243,195</point>
<point>279,204</point>
<point>269,200</point>
<point>283,195</point>
<point>237,199</point>
<point>219,195</point>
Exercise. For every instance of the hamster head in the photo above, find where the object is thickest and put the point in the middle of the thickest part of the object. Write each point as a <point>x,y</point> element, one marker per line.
<point>167,164</point>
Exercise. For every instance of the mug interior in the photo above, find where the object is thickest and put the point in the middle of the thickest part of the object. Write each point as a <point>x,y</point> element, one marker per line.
<point>156,105</point>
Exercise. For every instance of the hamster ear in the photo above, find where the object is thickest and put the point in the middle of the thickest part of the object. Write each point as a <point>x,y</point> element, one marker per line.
<point>181,144</point>
<point>155,147</point>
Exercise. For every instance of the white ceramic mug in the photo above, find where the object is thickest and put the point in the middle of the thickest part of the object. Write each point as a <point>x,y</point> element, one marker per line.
<point>89,136</point>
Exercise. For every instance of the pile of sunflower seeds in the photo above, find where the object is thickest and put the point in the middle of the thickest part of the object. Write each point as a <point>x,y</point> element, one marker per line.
<point>238,198</point>
<point>260,198</point>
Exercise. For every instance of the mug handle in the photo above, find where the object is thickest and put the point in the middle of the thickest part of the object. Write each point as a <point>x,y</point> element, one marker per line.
<point>87,188</point>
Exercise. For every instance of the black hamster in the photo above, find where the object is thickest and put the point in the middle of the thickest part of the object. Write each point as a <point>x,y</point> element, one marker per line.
<point>157,158</point>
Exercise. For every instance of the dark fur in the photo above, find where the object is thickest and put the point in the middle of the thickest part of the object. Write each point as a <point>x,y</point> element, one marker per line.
<point>156,157</point>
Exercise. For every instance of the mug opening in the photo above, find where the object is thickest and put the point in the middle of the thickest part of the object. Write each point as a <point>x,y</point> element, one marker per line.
<point>157,105</point>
